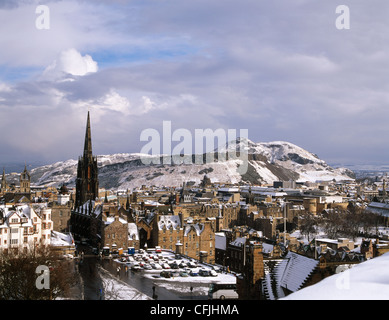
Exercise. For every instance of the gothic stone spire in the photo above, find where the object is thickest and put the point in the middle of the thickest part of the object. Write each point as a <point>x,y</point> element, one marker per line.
<point>88,140</point>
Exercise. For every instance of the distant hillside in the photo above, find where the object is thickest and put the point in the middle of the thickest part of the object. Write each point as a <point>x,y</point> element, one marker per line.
<point>267,162</point>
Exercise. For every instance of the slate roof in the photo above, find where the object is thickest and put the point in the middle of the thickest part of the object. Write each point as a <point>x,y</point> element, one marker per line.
<point>289,273</point>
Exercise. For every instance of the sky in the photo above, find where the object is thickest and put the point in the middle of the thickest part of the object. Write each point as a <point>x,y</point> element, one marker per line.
<point>283,70</point>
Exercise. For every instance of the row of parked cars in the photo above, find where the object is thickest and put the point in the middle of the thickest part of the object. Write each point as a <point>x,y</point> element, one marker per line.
<point>187,273</point>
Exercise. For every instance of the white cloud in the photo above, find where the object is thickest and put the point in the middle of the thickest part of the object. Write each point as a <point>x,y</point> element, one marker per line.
<point>70,62</point>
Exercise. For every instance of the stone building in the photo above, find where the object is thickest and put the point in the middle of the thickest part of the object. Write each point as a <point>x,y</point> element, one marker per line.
<point>198,240</point>
<point>196,236</point>
<point>4,184</point>
<point>115,233</point>
<point>25,182</point>
<point>61,211</point>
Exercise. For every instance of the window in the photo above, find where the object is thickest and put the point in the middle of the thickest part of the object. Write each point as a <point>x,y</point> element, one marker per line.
<point>14,241</point>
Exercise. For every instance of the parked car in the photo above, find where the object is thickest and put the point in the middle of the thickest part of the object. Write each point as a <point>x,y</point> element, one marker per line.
<point>136,267</point>
<point>165,266</point>
<point>182,265</point>
<point>147,267</point>
<point>213,273</point>
<point>217,269</point>
<point>192,264</point>
<point>166,274</point>
<point>184,274</point>
<point>193,274</point>
<point>204,273</point>
<point>174,266</point>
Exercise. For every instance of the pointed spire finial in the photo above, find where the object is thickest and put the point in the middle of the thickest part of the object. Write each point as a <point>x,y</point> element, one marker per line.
<point>88,139</point>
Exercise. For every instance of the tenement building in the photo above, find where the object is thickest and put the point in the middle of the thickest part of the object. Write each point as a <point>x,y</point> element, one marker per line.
<point>24,226</point>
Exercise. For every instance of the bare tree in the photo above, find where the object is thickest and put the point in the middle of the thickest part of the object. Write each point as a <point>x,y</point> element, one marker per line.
<point>308,225</point>
<point>19,277</point>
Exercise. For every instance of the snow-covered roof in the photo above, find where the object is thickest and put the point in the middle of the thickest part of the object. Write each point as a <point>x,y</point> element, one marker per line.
<point>220,241</point>
<point>238,242</point>
<point>294,270</point>
<point>133,233</point>
<point>112,219</point>
<point>197,227</point>
<point>368,280</point>
<point>169,221</point>
<point>61,239</point>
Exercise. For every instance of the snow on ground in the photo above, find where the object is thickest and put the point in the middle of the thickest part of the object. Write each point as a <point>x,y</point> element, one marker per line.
<point>368,280</point>
<point>116,289</point>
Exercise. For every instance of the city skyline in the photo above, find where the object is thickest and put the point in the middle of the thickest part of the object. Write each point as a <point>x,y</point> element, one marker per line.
<point>283,71</point>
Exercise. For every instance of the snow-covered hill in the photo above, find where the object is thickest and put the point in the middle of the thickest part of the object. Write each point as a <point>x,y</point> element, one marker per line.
<point>267,162</point>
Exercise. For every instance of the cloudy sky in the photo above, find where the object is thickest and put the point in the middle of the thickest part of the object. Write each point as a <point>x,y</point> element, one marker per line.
<point>281,69</point>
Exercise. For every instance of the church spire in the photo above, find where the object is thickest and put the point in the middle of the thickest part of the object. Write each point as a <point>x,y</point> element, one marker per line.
<point>3,185</point>
<point>88,140</point>
<point>87,182</point>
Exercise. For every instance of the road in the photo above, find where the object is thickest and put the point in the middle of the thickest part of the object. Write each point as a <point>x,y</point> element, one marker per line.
<point>93,288</point>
